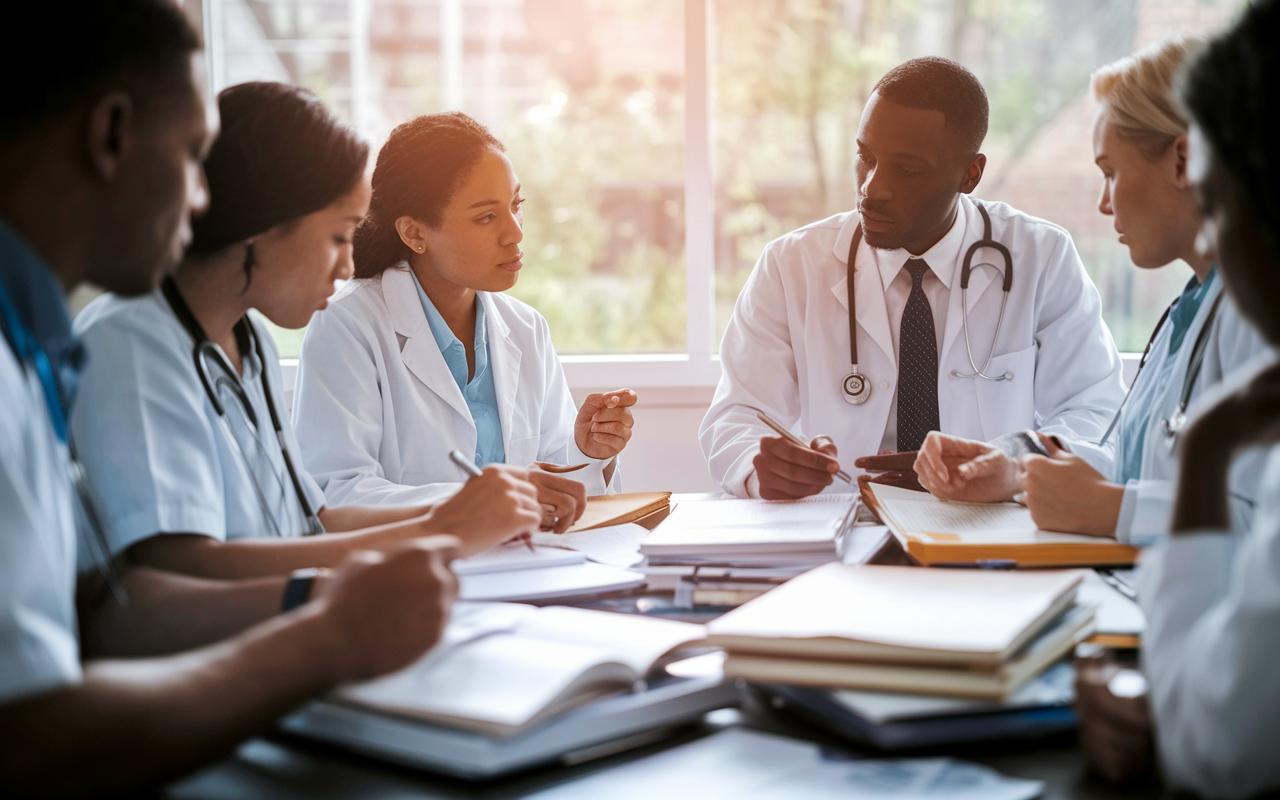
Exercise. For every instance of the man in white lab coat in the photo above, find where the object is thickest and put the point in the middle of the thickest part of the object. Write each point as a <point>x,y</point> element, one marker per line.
<point>1046,359</point>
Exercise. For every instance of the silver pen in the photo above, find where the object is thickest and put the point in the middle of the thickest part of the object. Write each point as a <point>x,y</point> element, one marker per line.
<point>789,436</point>
<point>468,466</point>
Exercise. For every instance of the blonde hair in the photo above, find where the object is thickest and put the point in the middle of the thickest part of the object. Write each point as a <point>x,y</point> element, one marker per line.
<point>1137,93</point>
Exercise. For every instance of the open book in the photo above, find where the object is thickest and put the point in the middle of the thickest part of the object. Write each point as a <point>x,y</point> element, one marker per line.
<point>937,532</point>
<point>502,668</point>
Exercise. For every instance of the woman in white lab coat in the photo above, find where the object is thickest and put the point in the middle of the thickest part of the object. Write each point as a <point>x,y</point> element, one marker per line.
<point>424,354</point>
<point>1123,488</point>
<point>181,421</point>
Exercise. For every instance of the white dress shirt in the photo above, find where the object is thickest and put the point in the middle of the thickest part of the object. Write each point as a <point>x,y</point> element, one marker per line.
<point>786,348</point>
<point>1210,650</point>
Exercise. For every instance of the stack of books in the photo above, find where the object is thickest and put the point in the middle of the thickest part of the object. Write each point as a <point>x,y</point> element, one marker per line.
<point>725,552</point>
<point>960,633</point>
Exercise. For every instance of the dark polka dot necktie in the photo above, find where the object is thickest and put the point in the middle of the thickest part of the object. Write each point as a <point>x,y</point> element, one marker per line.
<point>917,365</point>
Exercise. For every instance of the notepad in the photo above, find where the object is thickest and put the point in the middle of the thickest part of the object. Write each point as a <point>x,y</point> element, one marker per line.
<point>712,529</point>
<point>937,532</point>
<point>616,509</point>
<point>503,668</point>
<point>616,545</point>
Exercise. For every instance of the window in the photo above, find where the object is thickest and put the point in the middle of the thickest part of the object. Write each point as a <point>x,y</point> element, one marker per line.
<point>663,143</point>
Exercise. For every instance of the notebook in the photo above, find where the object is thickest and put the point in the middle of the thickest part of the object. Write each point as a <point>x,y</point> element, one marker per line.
<point>617,545</point>
<point>738,530</point>
<point>615,509</point>
<point>501,668</point>
<point>936,532</point>
<point>902,615</point>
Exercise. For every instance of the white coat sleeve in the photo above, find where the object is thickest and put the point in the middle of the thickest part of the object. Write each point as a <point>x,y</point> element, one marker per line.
<point>1079,381</point>
<point>338,417</point>
<point>758,368</point>
<point>556,444</point>
<point>1212,603</point>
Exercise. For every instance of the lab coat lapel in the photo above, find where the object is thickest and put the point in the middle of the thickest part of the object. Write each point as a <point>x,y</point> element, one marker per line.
<point>421,353</point>
<point>873,319</point>
<point>504,360</point>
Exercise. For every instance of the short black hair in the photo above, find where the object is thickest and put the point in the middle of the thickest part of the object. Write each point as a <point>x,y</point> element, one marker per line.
<point>1230,92</point>
<point>940,84</point>
<point>54,55</point>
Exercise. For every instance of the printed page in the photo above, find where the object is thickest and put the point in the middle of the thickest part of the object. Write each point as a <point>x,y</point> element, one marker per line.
<point>636,640</point>
<point>503,680</point>
<point>515,555</point>
<point>975,523</point>
<point>616,545</point>
<point>726,523</point>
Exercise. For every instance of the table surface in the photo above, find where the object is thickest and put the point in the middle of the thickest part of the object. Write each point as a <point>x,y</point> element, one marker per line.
<point>283,766</point>
<point>279,766</point>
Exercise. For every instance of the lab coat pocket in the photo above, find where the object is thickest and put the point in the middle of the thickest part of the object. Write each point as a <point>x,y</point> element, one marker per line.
<point>1010,404</point>
<point>523,451</point>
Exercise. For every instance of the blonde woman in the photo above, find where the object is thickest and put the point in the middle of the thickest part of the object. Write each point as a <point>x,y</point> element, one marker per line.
<point>1124,488</point>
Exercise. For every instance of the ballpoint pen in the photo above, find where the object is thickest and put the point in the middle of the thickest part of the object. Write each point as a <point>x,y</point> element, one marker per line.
<point>788,435</point>
<point>468,466</point>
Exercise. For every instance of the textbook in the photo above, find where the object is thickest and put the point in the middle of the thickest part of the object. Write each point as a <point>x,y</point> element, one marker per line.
<point>894,721</point>
<point>967,633</point>
<point>939,533</point>
<point>503,668</point>
<point>616,509</point>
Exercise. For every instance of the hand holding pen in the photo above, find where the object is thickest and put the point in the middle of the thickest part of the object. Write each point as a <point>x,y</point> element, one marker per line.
<point>789,468</point>
<point>469,467</point>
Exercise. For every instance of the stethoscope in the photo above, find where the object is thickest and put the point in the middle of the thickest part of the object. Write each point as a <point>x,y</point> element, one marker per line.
<point>1174,423</point>
<point>206,351</point>
<point>856,388</point>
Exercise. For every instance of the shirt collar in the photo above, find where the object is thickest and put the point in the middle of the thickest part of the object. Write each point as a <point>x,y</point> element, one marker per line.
<point>40,304</point>
<point>943,258</point>
<point>444,336</point>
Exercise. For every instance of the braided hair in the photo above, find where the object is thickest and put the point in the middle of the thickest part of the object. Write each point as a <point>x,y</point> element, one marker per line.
<point>418,171</point>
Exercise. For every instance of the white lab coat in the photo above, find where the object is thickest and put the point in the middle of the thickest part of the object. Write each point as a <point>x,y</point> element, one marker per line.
<point>1212,602</point>
<point>786,349</point>
<point>377,410</point>
<point>1233,345</point>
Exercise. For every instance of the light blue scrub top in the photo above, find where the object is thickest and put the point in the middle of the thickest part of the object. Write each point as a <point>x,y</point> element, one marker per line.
<point>39,643</point>
<point>1151,384</point>
<point>480,394</point>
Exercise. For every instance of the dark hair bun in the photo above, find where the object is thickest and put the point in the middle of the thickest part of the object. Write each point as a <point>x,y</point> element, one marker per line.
<point>282,154</point>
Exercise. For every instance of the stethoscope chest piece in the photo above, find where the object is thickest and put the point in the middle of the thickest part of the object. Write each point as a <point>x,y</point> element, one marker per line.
<point>856,388</point>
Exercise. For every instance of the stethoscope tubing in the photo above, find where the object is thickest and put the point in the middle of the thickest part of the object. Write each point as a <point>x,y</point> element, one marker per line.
<point>966,270</point>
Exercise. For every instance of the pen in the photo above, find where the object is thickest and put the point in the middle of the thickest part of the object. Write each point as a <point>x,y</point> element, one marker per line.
<point>468,466</point>
<point>786,434</point>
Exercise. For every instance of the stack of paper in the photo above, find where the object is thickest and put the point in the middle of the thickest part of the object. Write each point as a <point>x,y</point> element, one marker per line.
<point>751,532</point>
<point>514,572</point>
<point>937,532</point>
<point>965,633</point>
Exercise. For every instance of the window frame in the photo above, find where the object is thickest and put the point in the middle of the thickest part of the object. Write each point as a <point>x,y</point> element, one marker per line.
<point>699,364</point>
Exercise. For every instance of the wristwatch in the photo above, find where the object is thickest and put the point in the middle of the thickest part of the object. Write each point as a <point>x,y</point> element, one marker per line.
<point>298,590</point>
